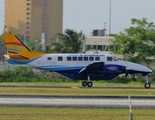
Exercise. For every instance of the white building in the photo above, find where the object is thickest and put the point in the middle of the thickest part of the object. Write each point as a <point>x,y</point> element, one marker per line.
<point>98,43</point>
<point>102,44</point>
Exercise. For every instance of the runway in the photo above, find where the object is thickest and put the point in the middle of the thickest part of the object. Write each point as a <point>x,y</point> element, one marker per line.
<point>76,102</point>
<point>72,86</point>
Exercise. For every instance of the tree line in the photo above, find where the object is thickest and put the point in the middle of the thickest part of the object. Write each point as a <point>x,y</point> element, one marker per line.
<point>137,42</point>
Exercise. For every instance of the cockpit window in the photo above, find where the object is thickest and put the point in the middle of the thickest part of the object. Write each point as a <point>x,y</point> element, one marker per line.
<point>115,58</point>
<point>109,58</point>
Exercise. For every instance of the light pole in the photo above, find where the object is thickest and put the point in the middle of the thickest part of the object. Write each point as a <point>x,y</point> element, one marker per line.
<point>4,29</point>
<point>109,17</point>
<point>24,38</point>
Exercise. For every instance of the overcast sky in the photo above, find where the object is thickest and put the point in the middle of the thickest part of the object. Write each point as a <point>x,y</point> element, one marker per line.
<point>87,15</point>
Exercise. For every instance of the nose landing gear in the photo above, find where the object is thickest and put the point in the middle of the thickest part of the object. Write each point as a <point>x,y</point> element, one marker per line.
<point>87,83</point>
<point>147,84</point>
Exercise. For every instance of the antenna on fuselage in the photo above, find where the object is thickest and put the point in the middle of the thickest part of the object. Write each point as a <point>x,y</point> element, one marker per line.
<point>99,51</point>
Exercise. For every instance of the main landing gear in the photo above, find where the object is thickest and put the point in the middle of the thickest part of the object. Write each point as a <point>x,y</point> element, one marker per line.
<point>147,84</point>
<point>87,83</point>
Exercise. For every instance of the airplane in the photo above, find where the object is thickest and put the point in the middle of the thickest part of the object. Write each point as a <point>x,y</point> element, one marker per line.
<point>76,66</point>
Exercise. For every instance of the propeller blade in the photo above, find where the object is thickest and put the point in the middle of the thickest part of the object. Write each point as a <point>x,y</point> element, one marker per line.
<point>126,73</point>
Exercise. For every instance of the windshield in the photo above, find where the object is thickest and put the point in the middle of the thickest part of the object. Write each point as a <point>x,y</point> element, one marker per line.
<point>115,58</point>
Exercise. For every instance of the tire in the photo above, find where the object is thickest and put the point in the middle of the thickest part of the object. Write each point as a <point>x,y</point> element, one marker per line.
<point>84,83</point>
<point>147,85</point>
<point>90,84</point>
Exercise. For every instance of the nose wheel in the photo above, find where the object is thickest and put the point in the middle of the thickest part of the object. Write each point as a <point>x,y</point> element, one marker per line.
<point>147,84</point>
<point>87,83</point>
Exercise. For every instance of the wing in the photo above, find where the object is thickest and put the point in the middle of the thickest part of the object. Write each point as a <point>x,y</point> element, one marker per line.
<point>94,67</point>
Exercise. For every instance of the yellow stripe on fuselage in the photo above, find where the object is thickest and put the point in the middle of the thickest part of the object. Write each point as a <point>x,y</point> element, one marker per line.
<point>31,55</point>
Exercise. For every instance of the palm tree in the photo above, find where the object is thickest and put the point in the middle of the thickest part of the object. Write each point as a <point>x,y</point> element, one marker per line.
<point>34,45</point>
<point>68,42</point>
<point>21,37</point>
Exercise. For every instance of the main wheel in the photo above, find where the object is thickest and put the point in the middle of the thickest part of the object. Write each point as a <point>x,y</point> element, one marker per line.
<point>84,83</point>
<point>147,85</point>
<point>90,84</point>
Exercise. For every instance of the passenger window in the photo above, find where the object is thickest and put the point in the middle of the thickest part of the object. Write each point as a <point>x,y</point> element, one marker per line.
<point>49,58</point>
<point>74,58</point>
<point>68,58</point>
<point>91,58</point>
<point>97,58</point>
<point>60,59</point>
<point>85,58</point>
<point>109,58</point>
<point>79,58</point>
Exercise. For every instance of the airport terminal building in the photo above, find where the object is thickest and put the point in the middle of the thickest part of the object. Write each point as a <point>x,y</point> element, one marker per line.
<point>98,43</point>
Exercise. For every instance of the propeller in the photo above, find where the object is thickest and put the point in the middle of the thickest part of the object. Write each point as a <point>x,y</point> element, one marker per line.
<point>126,72</point>
<point>127,68</point>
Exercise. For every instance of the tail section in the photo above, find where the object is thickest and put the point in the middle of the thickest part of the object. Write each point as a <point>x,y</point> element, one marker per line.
<point>16,50</point>
<point>13,44</point>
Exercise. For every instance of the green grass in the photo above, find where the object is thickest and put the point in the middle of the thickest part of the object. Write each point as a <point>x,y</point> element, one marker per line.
<point>77,91</point>
<point>78,83</point>
<point>73,114</point>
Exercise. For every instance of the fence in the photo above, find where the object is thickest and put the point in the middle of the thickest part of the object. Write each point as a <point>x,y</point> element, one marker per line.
<point>74,114</point>
<point>4,66</point>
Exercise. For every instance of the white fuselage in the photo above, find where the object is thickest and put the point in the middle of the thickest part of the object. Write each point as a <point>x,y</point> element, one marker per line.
<point>71,61</point>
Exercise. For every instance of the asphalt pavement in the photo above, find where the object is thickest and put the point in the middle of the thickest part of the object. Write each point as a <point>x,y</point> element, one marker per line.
<point>117,102</point>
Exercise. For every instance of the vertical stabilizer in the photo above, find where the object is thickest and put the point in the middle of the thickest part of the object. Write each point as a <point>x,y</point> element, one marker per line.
<point>13,44</point>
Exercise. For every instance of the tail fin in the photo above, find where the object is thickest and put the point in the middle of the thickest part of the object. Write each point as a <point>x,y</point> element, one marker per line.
<point>13,44</point>
<point>16,50</point>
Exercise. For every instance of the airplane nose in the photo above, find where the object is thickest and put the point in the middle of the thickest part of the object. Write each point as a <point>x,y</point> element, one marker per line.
<point>149,70</point>
<point>139,67</point>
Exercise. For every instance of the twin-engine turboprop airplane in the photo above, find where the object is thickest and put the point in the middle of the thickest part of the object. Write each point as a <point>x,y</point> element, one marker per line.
<point>76,66</point>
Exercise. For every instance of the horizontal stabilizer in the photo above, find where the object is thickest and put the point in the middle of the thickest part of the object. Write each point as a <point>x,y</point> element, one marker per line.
<point>7,56</point>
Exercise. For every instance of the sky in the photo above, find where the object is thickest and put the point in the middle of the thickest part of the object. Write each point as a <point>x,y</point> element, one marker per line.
<point>87,15</point>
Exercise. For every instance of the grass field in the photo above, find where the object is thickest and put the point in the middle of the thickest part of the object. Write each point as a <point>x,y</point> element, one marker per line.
<point>78,83</point>
<point>77,91</point>
<point>73,114</point>
<point>74,88</point>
